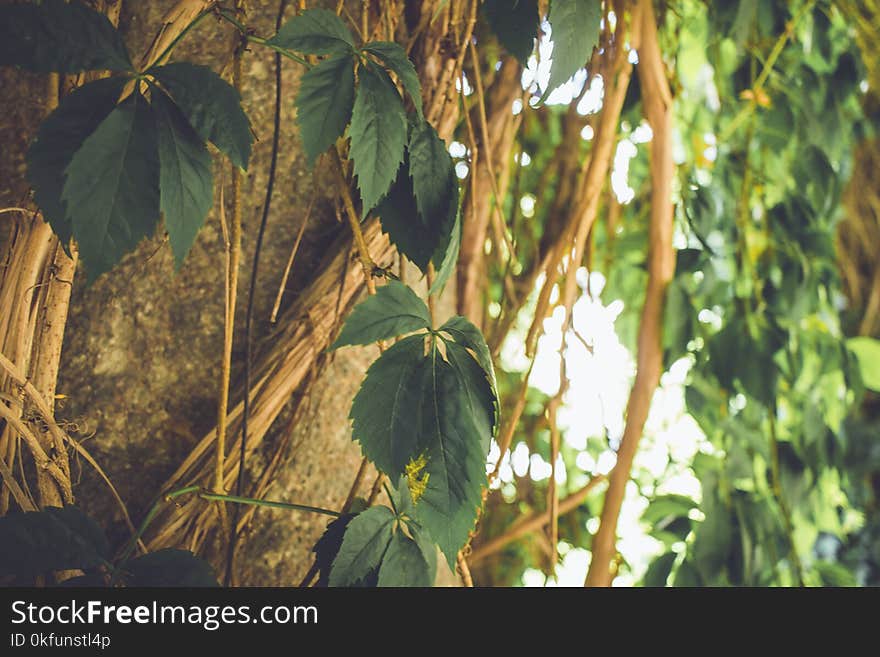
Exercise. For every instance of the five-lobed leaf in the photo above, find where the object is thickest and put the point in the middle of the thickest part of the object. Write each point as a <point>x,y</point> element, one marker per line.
<point>378,134</point>
<point>407,562</point>
<point>112,186</point>
<point>363,546</point>
<point>185,180</point>
<point>515,23</point>
<point>324,104</point>
<point>394,310</point>
<point>59,138</point>
<point>316,32</point>
<point>575,25</point>
<point>393,56</point>
<point>60,36</point>
<point>456,458</point>
<point>211,105</point>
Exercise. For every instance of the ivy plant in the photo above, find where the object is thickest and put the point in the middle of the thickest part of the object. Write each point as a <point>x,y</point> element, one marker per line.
<point>64,538</point>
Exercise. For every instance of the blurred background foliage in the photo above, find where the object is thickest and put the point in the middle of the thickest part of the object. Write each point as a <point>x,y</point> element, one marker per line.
<point>760,463</point>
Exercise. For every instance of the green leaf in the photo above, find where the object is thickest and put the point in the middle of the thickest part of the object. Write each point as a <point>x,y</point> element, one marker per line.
<point>575,33</point>
<point>378,135</point>
<point>60,36</point>
<point>406,564</point>
<point>867,351</point>
<point>666,506</point>
<point>400,219</point>
<point>446,257</point>
<point>59,138</point>
<point>482,400</point>
<point>365,542</point>
<point>456,458</point>
<point>327,547</point>
<point>316,32</point>
<point>212,106</point>
<point>394,57</point>
<point>389,399</point>
<point>394,310</point>
<point>112,187</point>
<point>433,175</point>
<point>658,572</point>
<point>324,103</point>
<point>469,336</point>
<point>186,190</point>
<point>687,576</point>
<point>56,538</point>
<point>713,540</point>
<point>515,23</point>
<point>834,574</point>
<point>170,568</point>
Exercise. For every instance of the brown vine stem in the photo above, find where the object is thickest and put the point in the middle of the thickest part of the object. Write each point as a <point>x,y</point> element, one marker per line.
<point>657,100</point>
<point>283,284</point>
<point>58,435</point>
<point>22,498</point>
<point>465,571</point>
<point>233,259</point>
<point>534,521</point>
<point>497,218</point>
<point>505,435</point>
<point>587,207</point>
<point>354,222</point>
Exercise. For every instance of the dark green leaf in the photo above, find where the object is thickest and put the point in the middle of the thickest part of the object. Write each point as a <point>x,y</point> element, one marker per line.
<point>378,134</point>
<point>446,257</point>
<point>406,564</point>
<point>212,106</point>
<point>401,221</point>
<point>384,410</point>
<point>394,57</point>
<point>52,539</point>
<point>316,32</point>
<point>324,102</point>
<point>60,36</point>
<point>170,568</point>
<point>575,33</point>
<point>366,539</point>
<point>433,178</point>
<point>482,400</point>
<point>658,571</point>
<point>394,310</point>
<point>327,547</point>
<point>456,458</point>
<point>59,138</point>
<point>467,335</point>
<point>686,575</point>
<point>713,541</point>
<point>186,189</point>
<point>515,23</point>
<point>112,187</point>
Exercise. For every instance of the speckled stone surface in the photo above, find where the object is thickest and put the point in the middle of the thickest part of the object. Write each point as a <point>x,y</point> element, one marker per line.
<point>141,356</point>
